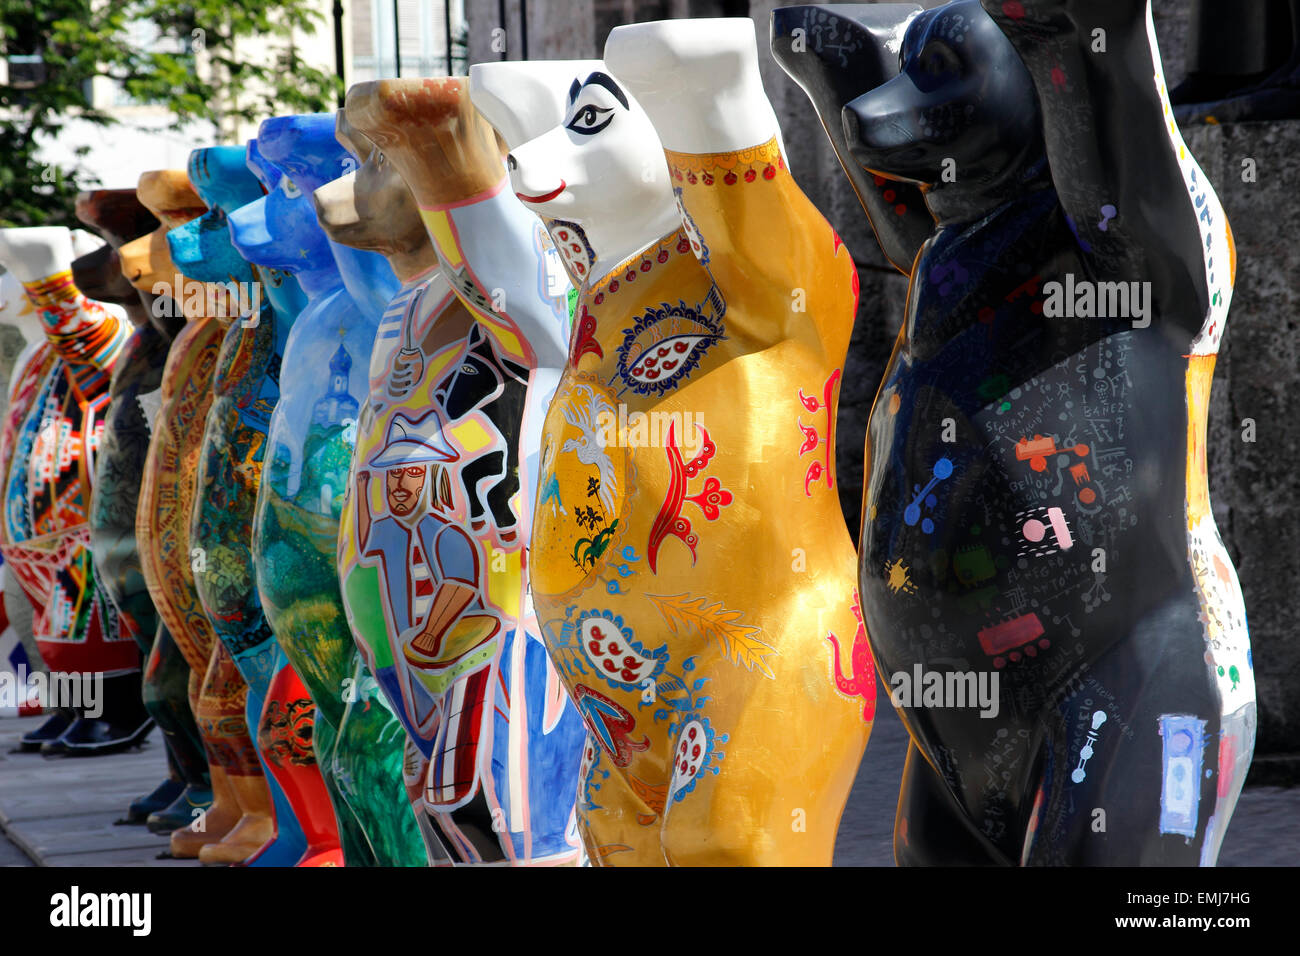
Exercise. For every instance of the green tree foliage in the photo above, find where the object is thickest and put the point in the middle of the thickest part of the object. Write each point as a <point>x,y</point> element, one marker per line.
<point>239,65</point>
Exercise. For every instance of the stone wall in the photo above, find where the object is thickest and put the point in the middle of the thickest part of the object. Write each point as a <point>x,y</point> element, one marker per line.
<point>1253,486</point>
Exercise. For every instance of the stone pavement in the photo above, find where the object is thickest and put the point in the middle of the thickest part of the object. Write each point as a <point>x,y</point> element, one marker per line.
<point>62,812</point>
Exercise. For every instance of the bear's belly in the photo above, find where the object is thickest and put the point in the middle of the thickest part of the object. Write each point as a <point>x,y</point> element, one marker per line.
<point>1022,527</point>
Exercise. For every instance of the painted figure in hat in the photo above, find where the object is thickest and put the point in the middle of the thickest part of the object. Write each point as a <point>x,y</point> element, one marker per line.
<point>429,565</point>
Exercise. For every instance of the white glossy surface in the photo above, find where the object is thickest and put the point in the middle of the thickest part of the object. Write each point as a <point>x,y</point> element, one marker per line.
<point>518,97</point>
<point>613,182</point>
<point>36,252</point>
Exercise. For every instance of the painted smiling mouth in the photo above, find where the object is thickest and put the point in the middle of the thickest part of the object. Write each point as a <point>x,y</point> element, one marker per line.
<point>547,197</point>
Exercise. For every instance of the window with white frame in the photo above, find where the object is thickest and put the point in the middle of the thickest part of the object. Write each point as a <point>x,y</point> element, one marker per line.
<point>423,29</point>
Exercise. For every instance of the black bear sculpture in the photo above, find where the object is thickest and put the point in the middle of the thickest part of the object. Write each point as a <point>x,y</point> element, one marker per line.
<point>1041,577</point>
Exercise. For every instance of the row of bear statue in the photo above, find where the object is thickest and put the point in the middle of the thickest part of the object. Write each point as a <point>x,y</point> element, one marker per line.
<point>452,479</point>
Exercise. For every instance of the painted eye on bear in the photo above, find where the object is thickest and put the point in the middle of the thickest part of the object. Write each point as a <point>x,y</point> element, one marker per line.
<point>588,120</point>
<point>290,188</point>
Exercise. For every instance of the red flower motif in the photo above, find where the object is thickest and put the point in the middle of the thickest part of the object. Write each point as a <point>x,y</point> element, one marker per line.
<point>584,338</point>
<point>769,173</point>
<point>749,175</point>
<point>690,178</point>
<point>645,265</point>
<point>729,179</point>
<point>708,179</point>
<point>663,255</point>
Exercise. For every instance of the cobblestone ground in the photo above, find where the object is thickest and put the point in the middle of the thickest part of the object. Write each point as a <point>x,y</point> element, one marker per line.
<point>64,810</point>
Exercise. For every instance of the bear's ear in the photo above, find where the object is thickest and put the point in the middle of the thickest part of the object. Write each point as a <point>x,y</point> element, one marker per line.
<point>836,52</point>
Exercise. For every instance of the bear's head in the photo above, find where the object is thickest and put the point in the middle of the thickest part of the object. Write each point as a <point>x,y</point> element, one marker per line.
<point>202,248</point>
<point>430,131</point>
<point>279,230</point>
<point>308,154</point>
<point>35,252</point>
<point>603,160</point>
<point>370,208</point>
<point>116,214</point>
<point>119,216</point>
<point>147,261</point>
<point>962,110</point>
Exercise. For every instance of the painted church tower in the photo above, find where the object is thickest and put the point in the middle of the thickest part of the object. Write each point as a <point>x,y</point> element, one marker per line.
<point>336,405</point>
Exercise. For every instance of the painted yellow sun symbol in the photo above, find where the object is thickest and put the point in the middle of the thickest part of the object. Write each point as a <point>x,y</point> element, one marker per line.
<point>898,578</point>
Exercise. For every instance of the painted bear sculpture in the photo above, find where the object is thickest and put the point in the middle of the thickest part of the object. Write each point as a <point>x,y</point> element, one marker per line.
<point>372,209</point>
<point>120,217</point>
<point>452,433</point>
<point>48,492</point>
<point>691,571</point>
<point>18,652</point>
<point>1036,514</point>
<point>221,520</point>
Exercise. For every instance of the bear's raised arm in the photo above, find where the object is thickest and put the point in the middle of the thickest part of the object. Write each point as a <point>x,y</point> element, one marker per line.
<point>748,222</point>
<point>836,52</point>
<point>1112,145</point>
